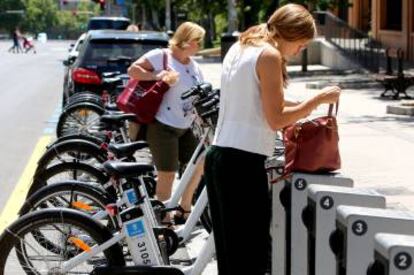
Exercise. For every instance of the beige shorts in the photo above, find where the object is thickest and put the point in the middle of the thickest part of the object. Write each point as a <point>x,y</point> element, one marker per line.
<point>170,146</point>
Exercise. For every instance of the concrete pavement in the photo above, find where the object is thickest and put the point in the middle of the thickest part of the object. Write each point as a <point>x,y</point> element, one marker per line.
<point>377,149</point>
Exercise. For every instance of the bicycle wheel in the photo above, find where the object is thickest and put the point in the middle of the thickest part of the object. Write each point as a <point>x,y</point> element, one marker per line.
<point>73,231</point>
<point>72,151</point>
<point>85,197</point>
<point>94,139</point>
<point>67,171</point>
<point>83,97</point>
<point>79,118</point>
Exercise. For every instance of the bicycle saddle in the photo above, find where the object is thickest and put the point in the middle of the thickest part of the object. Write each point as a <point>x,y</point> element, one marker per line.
<point>127,169</point>
<point>126,149</point>
<point>116,119</point>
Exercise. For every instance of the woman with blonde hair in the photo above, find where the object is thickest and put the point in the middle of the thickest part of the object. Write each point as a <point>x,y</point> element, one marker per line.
<point>170,137</point>
<point>252,108</point>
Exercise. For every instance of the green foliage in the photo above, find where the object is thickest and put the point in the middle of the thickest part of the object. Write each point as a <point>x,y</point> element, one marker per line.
<point>9,21</point>
<point>45,16</point>
<point>40,15</point>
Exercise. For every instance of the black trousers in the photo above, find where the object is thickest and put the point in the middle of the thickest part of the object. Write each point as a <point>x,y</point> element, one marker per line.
<point>239,202</point>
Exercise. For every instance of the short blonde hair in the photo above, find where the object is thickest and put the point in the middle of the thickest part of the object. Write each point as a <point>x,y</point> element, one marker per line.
<point>186,32</point>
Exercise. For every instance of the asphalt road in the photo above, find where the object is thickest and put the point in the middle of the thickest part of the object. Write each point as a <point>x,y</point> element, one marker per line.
<point>30,93</point>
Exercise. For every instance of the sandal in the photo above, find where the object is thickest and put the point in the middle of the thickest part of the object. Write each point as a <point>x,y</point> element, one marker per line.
<point>180,218</point>
<point>167,222</point>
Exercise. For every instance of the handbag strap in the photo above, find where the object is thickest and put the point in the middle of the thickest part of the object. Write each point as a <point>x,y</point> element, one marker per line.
<point>331,106</point>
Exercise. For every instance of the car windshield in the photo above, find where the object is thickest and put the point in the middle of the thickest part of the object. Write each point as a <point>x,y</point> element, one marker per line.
<point>99,52</point>
<point>108,24</point>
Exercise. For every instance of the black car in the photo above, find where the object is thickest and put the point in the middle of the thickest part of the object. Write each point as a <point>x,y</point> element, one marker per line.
<point>108,22</point>
<point>107,51</point>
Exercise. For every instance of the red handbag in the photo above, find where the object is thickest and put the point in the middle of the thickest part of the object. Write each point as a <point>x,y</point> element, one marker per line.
<point>143,98</point>
<point>312,146</point>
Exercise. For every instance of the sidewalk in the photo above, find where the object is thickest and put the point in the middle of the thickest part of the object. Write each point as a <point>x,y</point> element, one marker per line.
<point>377,149</point>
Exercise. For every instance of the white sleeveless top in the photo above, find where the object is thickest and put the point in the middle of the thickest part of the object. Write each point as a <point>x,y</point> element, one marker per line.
<point>241,123</point>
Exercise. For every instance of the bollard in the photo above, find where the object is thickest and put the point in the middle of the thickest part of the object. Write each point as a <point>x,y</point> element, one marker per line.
<point>275,168</point>
<point>320,217</point>
<point>298,237</point>
<point>393,254</point>
<point>353,239</point>
<point>289,198</point>
<point>227,40</point>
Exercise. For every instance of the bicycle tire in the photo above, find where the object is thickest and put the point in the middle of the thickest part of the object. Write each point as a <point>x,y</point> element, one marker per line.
<point>71,121</point>
<point>86,198</point>
<point>12,238</point>
<point>93,192</point>
<point>44,177</point>
<point>76,150</point>
<point>98,140</point>
<point>83,97</point>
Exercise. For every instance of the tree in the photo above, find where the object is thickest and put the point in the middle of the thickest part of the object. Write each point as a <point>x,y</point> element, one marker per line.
<point>8,21</point>
<point>40,15</point>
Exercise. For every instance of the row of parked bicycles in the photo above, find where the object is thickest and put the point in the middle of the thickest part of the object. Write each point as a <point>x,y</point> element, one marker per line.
<point>91,206</point>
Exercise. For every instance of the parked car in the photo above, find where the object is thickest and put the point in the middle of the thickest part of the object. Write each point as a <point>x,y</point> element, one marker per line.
<point>74,48</point>
<point>107,51</point>
<point>107,22</point>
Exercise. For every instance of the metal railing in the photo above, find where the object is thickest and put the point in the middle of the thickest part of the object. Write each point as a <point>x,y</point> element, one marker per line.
<point>354,44</point>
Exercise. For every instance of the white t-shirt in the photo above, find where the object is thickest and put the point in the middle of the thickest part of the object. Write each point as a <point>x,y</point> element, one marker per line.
<point>173,110</point>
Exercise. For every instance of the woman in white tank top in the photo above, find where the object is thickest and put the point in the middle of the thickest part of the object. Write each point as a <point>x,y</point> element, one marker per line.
<point>252,108</point>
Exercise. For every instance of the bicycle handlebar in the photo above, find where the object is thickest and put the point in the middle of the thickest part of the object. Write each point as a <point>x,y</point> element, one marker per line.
<point>200,88</point>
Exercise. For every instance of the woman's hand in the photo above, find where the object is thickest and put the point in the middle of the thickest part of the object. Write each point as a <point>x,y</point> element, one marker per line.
<point>329,95</point>
<point>169,77</point>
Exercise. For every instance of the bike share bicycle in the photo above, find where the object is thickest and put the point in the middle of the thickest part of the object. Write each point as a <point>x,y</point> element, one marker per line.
<point>80,243</point>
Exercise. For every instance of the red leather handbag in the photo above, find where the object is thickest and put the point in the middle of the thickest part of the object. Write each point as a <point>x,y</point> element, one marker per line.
<point>312,146</point>
<point>143,98</point>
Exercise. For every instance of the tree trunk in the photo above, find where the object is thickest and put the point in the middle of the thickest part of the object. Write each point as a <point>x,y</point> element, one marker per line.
<point>232,16</point>
<point>155,20</point>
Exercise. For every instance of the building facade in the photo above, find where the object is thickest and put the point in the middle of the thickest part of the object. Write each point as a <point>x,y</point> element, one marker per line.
<point>389,21</point>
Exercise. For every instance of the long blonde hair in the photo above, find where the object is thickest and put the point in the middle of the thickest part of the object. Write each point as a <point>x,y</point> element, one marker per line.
<point>290,22</point>
<point>186,32</point>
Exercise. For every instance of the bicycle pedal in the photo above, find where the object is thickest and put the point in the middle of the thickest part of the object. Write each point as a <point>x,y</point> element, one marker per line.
<point>97,261</point>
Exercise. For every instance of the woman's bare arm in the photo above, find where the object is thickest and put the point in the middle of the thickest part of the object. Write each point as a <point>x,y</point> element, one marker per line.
<point>289,103</point>
<point>277,112</point>
<point>142,70</point>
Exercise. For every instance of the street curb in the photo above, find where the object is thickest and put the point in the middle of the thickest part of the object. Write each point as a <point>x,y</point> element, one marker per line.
<point>17,198</point>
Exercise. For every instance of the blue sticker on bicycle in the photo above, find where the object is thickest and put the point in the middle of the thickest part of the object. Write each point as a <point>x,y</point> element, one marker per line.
<point>135,229</point>
<point>132,197</point>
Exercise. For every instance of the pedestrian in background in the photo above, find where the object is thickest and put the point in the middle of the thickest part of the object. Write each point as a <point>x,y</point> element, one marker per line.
<point>28,44</point>
<point>170,137</point>
<point>252,109</point>
<point>16,48</point>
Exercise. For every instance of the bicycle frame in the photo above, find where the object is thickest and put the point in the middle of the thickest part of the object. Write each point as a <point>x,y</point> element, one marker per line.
<point>197,156</point>
<point>151,251</point>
